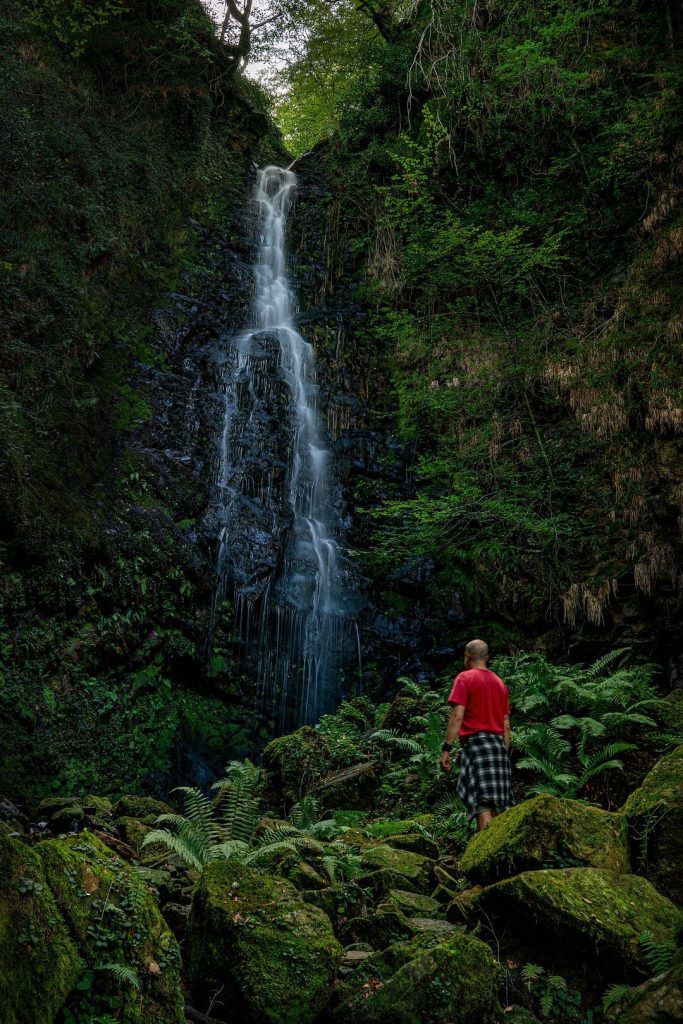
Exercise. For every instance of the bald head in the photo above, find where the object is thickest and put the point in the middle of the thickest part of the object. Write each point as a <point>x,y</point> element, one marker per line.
<point>476,653</point>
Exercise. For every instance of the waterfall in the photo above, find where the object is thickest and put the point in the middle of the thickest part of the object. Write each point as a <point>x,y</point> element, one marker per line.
<point>278,501</point>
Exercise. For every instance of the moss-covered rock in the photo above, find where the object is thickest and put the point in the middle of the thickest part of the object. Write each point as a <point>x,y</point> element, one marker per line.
<point>97,806</point>
<point>296,762</point>
<point>401,713</point>
<point>40,963</point>
<point>657,1001</point>
<point>353,787</point>
<point>454,980</point>
<point>401,827</point>
<point>133,832</point>
<point>144,808</point>
<point>378,883</point>
<point>596,913</point>
<point>414,843</point>
<point>340,901</point>
<point>113,917</point>
<point>655,817</point>
<point>412,904</point>
<point>379,929</point>
<point>542,832</point>
<point>413,866</point>
<point>251,935</point>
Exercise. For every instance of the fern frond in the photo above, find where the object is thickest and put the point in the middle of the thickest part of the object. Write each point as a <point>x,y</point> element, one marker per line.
<point>122,973</point>
<point>658,955</point>
<point>305,812</point>
<point>232,848</point>
<point>176,844</point>
<point>613,995</point>
<point>326,829</point>
<point>406,744</point>
<point>599,666</point>
<point>531,973</point>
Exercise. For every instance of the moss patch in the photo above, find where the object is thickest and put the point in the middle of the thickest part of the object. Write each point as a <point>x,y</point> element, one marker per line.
<point>412,904</point>
<point>274,955</point>
<point>596,913</point>
<point>294,761</point>
<point>114,919</point>
<point>454,980</point>
<point>544,832</point>
<point>411,865</point>
<point>40,963</point>
<point>141,807</point>
<point>655,817</point>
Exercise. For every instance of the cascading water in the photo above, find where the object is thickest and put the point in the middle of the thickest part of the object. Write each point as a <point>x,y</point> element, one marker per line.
<point>278,501</point>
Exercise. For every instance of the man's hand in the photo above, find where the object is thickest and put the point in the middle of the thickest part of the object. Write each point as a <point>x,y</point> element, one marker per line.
<point>445,761</point>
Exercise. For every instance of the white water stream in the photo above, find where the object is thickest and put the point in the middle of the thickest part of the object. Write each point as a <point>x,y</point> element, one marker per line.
<point>274,466</point>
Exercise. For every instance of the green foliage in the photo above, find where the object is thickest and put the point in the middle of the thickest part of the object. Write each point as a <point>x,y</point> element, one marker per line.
<point>509,289</point>
<point>553,999</point>
<point>72,21</point>
<point>212,829</point>
<point>603,710</point>
<point>658,955</point>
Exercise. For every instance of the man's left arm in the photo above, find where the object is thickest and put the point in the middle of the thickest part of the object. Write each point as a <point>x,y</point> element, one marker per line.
<point>454,723</point>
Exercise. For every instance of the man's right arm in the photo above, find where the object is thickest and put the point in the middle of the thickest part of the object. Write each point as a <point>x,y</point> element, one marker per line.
<point>507,732</point>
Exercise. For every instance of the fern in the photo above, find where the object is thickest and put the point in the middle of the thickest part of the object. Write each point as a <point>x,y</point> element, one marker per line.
<point>124,974</point>
<point>657,955</point>
<point>390,738</point>
<point>305,813</point>
<point>613,995</point>
<point>599,666</point>
<point>531,973</point>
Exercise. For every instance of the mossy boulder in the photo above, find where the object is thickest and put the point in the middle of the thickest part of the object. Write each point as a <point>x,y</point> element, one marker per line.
<point>449,981</point>
<point>378,929</point>
<point>40,962</point>
<point>598,914</point>
<point>657,1001</point>
<point>353,787</point>
<point>113,917</point>
<point>412,904</point>
<point>99,807</point>
<point>292,865</point>
<point>413,866</point>
<point>340,901</point>
<point>655,817</point>
<point>414,843</point>
<point>402,712</point>
<point>542,830</point>
<point>378,883</point>
<point>133,832</point>
<point>251,935</point>
<point>295,762</point>
<point>144,808</point>
<point>403,826</point>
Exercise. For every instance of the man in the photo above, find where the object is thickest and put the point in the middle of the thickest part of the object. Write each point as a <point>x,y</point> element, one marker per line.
<point>481,718</point>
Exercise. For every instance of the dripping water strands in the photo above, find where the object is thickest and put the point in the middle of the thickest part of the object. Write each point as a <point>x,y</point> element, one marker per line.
<point>278,502</point>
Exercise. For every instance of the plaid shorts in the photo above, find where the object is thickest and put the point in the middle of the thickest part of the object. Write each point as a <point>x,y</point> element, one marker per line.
<point>485,778</point>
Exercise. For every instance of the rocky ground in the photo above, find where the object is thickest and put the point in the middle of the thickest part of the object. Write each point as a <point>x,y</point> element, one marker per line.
<point>560,911</point>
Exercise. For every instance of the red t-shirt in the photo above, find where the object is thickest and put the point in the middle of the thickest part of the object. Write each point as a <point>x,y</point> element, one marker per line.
<point>485,699</point>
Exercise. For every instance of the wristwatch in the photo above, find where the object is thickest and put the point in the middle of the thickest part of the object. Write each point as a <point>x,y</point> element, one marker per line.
<point>447,747</point>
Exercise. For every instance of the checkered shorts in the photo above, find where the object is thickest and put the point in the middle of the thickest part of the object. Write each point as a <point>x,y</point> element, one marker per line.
<point>485,779</point>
